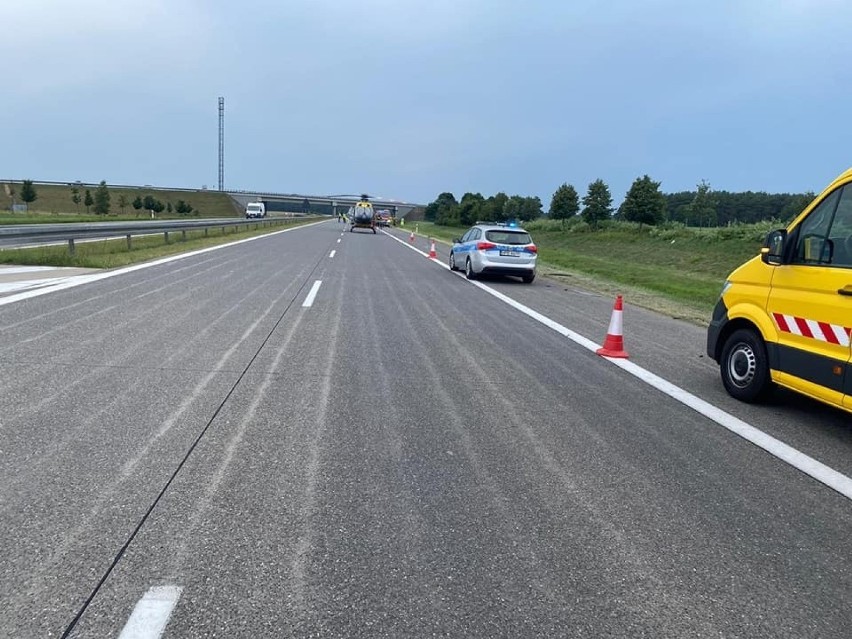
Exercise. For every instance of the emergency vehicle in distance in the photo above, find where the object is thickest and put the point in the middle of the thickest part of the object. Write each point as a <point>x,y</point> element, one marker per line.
<point>785,317</point>
<point>362,215</point>
<point>384,217</point>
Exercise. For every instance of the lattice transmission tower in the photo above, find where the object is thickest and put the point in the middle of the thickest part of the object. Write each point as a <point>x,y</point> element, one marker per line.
<point>221,144</point>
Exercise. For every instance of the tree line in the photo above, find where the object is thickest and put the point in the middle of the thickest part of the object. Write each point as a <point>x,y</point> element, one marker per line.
<point>725,207</point>
<point>473,206</point>
<point>99,203</point>
<point>644,203</point>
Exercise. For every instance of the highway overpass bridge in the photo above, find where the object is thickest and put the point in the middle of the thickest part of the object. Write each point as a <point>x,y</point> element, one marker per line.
<point>322,204</point>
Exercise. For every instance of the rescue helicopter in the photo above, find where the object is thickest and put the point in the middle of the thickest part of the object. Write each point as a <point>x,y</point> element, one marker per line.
<point>362,215</point>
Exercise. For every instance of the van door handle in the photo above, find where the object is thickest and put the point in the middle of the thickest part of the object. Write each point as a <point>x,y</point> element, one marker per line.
<point>846,290</point>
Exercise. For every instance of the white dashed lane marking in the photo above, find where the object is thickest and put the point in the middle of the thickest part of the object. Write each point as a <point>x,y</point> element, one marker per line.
<point>151,614</point>
<point>312,294</point>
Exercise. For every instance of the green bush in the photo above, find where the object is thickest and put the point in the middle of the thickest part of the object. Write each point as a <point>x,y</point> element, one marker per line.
<point>582,227</point>
<point>544,224</point>
<point>662,233</point>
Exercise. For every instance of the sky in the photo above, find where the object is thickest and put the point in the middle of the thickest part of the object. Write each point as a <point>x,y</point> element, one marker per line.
<point>406,99</point>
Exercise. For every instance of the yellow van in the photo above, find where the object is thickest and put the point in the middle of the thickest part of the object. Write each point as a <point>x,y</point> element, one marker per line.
<point>784,317</point>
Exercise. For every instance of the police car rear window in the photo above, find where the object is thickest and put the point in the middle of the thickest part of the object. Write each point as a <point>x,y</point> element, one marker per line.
<point>508,237</point>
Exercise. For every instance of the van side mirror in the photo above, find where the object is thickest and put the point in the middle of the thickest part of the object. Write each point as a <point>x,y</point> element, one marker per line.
<point>773,247</point>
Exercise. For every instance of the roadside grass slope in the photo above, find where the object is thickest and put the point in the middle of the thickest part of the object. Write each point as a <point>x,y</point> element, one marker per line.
<point>54,201</point>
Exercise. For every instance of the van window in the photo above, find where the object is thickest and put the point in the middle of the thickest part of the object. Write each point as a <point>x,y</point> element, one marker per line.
<point>841,230</point>
<point>813,244</point>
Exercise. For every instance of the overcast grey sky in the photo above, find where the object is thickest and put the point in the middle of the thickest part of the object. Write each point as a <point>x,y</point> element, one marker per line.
<point>408,98</point>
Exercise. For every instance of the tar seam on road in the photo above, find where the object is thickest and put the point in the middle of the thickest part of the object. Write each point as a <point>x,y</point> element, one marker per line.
<point>775,447</point>
<point>180,466</point>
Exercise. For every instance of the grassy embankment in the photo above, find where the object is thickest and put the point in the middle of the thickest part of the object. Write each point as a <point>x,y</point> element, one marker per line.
<point>674,269</point>
<point>54,205</point>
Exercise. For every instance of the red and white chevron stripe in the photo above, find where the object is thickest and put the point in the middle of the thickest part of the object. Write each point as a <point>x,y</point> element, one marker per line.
<point>824,332</point>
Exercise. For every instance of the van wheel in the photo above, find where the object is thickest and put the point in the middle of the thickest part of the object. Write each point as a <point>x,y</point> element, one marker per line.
<point>745,366</point>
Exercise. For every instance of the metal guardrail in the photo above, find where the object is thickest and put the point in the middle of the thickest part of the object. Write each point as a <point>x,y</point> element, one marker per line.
<point>143,187</point>
<point>70,232</point>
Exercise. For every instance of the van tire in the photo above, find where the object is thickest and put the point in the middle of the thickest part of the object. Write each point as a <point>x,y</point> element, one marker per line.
<point>745,366</point>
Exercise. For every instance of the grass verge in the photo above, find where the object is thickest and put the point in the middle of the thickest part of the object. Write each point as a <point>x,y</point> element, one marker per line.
<point>114,253</point>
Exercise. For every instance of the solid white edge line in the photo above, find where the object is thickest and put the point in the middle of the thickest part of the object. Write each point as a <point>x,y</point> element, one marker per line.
<point>808,465</point>
<point>151,613</point>
<point>79,280</point>
<point>786,453</point>
<point>332,253</point>
<point>16,270</point>
<point>312,294</point>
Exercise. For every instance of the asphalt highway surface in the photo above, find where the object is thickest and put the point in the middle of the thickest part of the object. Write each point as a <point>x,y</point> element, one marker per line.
<point>320,433</point>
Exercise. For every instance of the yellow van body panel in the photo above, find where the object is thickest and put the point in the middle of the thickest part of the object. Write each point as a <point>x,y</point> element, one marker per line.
<point>801,306</point>
<point>814,391</point>
<point>747,295</point>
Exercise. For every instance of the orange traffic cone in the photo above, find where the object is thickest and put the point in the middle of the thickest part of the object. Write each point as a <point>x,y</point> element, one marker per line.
<point>613,345</point>
<point>432,252</point>
<point>411,237</point>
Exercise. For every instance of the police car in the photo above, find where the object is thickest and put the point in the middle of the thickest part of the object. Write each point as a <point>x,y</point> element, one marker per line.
<point>493,248</point>
<point>785,317</point>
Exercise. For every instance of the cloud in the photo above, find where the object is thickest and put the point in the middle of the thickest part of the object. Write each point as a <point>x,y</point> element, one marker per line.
<point>55,45</point>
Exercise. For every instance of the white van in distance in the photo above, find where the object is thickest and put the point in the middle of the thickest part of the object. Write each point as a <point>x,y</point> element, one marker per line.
<point>256,209</point>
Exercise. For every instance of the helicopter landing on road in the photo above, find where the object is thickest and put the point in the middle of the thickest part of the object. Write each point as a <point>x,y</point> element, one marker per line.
<point>362,215</point>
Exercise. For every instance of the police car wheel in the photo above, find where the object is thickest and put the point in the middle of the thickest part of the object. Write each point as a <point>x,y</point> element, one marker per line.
<point>745,366</point>
<point>468,270</point>
<point>452,261</point>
